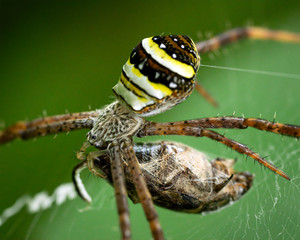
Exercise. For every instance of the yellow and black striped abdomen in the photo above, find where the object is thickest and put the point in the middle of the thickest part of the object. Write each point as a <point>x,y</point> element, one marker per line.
<point>159,74</point>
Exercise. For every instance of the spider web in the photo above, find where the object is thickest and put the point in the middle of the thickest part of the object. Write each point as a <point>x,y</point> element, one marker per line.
<point>270,210</point>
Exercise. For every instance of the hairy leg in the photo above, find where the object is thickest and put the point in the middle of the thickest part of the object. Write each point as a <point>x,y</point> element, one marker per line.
<point>237,34</point>
<point>179,128</point>
<point>48,125</point>
<point>194,128</point>
<point>120,188</point>
<point>142,190</point>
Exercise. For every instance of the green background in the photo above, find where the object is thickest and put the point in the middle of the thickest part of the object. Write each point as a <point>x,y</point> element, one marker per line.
<point>67,55</point>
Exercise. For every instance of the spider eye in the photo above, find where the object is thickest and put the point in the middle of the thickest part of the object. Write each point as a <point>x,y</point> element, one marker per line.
<point>158,74</point>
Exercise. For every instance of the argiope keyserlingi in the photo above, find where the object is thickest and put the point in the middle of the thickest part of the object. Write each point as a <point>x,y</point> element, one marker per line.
<point>158,75</point>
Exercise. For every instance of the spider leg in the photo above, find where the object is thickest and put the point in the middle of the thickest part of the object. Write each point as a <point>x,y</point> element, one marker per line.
<point>205,94</point>
<point>242,149</point>
<point>89,158</point>
<point>237,34</point>
<point>220,186</point>
<point>221,122</point>
<point>80,155</point>
<point>48,125</point>
<point>120,188</point>
<point>79,187</point>
<point>90,163</point>
<point>142,190</point>
<point>174,128</point>
<point>86,162</point>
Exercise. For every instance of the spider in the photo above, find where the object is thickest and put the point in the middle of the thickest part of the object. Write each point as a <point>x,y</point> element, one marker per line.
<point>158,75</point>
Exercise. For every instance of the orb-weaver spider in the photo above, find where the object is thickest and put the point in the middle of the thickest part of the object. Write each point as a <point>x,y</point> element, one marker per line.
<point>158,75</point>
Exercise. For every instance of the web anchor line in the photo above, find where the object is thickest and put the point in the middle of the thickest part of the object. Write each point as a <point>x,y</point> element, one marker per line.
<point>274,74</point>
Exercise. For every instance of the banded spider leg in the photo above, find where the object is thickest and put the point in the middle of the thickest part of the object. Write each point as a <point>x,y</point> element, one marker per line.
<point>198,128</point>
<point>238,34</point>
<point>119,152</point>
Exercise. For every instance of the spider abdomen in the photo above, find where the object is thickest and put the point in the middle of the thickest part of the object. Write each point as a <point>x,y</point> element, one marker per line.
<point>158,74</point>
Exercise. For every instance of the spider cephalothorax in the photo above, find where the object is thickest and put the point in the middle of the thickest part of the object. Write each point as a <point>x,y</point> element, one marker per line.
<point>114,122</point>
<point>158,75</point>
